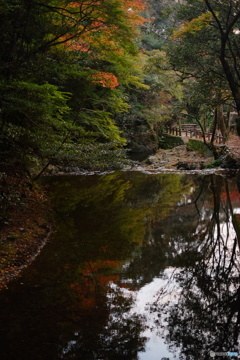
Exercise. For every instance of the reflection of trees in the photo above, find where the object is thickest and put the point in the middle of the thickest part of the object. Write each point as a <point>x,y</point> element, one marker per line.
<point>166,230</point>
<point>102,222</point>
<point>189,230</point>
<point>120,337</point>
<point>112,211</point>
<point>207,314</point>
<point>147,223</point>
<point>88,320</point>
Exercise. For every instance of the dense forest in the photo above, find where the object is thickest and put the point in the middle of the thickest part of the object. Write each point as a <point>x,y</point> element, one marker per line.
<point>83,82</point>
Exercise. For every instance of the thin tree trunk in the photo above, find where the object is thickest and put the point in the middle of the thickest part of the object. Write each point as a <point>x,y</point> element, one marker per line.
<point>221,122</point>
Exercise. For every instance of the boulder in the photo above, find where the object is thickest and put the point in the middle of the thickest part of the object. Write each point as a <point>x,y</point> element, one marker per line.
<point>186,166</point>
<point>229,162</point>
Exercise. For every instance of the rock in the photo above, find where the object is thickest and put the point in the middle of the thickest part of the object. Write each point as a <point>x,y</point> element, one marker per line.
<point>186,166</point>
<point>138,148</point>
<point>151,160</point>
<point>228,162</point>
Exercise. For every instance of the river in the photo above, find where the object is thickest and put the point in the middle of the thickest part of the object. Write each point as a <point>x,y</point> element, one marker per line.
<point>139,267</point>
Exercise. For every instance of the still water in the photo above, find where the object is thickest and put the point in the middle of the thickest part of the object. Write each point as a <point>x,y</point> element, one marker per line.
<point>139,267</point>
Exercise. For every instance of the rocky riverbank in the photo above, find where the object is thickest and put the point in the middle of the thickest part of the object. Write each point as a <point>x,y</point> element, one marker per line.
<point>181,158</point>
<point>177,158</point>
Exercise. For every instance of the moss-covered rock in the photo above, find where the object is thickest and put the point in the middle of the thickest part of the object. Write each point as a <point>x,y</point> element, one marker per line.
<point>213,164</point>
<point>169,141</point>
<point>198,145</point>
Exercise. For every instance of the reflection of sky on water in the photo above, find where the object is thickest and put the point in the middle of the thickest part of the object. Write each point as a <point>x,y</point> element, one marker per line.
<point>155,347</point>
<point>166,289</point>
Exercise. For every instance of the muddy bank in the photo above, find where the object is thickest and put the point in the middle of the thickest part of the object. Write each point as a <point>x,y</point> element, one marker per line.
<point>25,225</point>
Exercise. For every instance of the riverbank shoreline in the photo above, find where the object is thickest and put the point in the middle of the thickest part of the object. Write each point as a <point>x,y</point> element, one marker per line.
<point>26,226</point>
<point>181,158</point>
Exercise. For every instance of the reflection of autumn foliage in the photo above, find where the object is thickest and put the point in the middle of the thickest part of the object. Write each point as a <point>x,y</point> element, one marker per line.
<point>96,276</point>
<point>82,291</point>
<point>234,196</point>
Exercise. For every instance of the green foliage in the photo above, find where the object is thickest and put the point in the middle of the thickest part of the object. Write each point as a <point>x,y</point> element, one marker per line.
<point>193,26</point>
<point>166,90</point>
<point>214,164</point>
<point>26,103</point>
<point>90,156</point>
<point>101,123</point>
<point>155,31</point>
<point>32,118</point>
<point>204,48</point>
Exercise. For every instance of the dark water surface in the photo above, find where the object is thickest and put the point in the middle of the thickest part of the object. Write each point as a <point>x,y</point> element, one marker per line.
<point>140,267</point>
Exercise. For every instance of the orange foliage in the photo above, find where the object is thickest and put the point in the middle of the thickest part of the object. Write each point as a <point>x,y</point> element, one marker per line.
<point>132,9</point>
<point>76,45</point>
<point>92,13</point>
<point>105,79</point>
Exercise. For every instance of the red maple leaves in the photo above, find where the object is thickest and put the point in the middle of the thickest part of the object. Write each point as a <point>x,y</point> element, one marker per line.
<point>105,79</point>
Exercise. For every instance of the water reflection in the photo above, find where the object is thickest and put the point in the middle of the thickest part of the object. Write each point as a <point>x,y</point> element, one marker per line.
<point>141,267</point>
<point>206,315</point>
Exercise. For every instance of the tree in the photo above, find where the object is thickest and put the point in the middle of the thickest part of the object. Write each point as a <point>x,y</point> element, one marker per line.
<point>227,20</point>
<point>208,35</point>
<point>69,58</point>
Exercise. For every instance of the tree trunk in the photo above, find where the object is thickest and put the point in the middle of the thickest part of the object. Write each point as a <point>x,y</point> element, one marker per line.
<point>221,122</point>
<point>214,125</point>
<point>233,86</point>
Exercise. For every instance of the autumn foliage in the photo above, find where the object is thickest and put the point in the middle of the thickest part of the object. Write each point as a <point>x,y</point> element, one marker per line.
<point>105,79</point>
<point>96,28</point>
<point>53,57</point>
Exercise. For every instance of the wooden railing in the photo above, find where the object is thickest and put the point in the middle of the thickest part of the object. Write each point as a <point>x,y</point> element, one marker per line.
<point>195,133</point>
